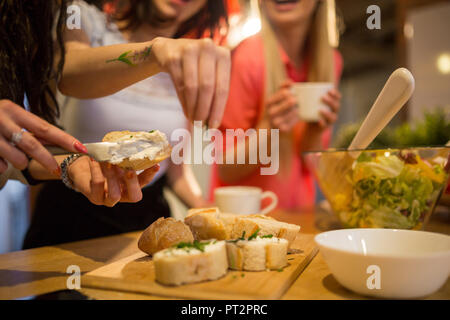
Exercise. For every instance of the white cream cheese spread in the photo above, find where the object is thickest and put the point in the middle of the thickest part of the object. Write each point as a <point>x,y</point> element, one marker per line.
<point>137,146</point>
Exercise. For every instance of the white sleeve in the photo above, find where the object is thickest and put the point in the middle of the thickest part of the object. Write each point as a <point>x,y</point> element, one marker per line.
<point>93,22</point>
<point>11,174</point>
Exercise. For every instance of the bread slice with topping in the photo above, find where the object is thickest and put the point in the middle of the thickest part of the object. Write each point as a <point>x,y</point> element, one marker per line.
<point>257,254</point>
<point>191,262</point>
<point>138,150</point>
<point>266,226</point>
<point>210,223</point>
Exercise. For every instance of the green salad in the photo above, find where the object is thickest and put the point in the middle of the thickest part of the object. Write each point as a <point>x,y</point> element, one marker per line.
<point>390,190</point>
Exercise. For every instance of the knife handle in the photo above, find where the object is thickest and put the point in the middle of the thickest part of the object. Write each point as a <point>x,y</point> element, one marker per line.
<point>54,150</point>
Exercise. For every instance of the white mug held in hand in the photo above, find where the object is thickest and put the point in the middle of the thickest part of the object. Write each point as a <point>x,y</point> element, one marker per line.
<point>309,98</point>
<point>244,200</point>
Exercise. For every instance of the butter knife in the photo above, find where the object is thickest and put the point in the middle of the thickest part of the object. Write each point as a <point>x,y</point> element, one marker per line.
<point>100,151</point>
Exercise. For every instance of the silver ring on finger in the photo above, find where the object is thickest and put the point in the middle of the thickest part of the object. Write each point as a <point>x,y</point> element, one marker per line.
<point>16,137</point>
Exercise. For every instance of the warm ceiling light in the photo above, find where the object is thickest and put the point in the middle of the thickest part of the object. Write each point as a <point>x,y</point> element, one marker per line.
<point>443,63</point>
<point>408,30</point>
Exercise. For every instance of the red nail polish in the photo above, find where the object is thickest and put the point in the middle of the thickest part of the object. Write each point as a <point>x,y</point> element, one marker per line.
<point>130,174</point>
<point>57,172</point>
<point>156,167</point>
<point>80,147</point>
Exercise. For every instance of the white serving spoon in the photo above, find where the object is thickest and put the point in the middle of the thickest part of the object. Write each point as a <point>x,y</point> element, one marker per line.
<point>397,90</point>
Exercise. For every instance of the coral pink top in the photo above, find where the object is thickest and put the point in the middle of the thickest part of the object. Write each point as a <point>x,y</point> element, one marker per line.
<point>244,109</point>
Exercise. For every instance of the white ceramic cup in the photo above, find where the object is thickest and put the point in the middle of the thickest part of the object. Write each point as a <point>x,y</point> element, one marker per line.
<point>309,98</point>
<point>243,200</point>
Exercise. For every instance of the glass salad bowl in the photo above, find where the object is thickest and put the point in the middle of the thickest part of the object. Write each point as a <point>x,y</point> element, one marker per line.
<point>389,188</point>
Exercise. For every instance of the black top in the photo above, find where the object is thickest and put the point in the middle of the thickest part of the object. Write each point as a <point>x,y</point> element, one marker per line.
<point>63,215</point>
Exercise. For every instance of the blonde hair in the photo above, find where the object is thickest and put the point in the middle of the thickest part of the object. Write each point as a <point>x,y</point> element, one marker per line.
<point>319,46</point>
<point>321,66</point>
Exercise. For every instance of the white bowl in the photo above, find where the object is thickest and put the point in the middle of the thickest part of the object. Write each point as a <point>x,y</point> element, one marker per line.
<point>387,263</point>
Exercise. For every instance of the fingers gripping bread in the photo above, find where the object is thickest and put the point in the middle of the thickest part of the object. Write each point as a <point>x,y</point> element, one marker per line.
<point>176,266</point>
<point>142,149</point>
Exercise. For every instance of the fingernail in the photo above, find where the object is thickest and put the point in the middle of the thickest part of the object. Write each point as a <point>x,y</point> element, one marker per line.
<point>156,167</point>
<point>57,172</point>
<point>80,147</point>
<point>108,165</point>
<point>92,159</point>
<point>130,174</point>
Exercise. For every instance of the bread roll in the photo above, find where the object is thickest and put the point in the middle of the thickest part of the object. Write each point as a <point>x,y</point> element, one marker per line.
<point>162,234</point>
<point>258,254</point>
<point>176,266</point>
<point>138,150</point>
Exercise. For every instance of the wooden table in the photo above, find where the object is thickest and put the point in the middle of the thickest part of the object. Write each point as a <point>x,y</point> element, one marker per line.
<point>43,270</point>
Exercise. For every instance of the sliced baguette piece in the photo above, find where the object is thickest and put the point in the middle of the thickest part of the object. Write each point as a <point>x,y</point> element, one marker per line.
<point>141,160</point>
<point>209,223</point>
<point>176,266</point>
<point>162,234</point>
<point>258,254</point>
<point>266,226</point>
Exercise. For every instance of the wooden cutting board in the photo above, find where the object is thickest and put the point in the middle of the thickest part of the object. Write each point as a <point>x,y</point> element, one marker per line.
<point>136,274</point>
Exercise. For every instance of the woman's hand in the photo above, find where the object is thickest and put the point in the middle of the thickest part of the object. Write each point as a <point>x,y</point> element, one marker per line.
<point>16,144</point>
<point>200,71</point>
<point>282,108</point>
<point>328,117</point>
<point>106,184</point>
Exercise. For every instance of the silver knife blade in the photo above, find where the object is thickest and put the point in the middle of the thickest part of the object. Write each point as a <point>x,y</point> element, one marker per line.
<point>100,151</point>
<point>97,150</point>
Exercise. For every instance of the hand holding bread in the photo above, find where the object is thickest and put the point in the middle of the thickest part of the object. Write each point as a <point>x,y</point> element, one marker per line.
<point>106,184</point>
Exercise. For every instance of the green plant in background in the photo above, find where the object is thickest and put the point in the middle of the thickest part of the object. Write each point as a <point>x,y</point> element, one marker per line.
<point>433,130</point>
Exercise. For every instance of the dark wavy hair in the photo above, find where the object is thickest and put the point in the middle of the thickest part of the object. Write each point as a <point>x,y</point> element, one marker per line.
<point>209,19</point>
<point>27,53</point>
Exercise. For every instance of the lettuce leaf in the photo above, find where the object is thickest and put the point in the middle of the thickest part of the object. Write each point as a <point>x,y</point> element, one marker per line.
<point>382,168</point>
<point>389,193</point>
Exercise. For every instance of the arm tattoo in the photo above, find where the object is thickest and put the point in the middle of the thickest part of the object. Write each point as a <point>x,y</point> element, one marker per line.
<point>132,58</point>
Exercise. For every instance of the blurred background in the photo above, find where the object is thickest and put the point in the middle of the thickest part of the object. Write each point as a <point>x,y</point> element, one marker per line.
<point>413,34</point>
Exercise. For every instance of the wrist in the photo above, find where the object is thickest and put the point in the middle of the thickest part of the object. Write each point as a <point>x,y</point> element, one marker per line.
<point>29,176</point>
<point>156,45</point>
<point>67,167</point>
<point>38,173</point>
